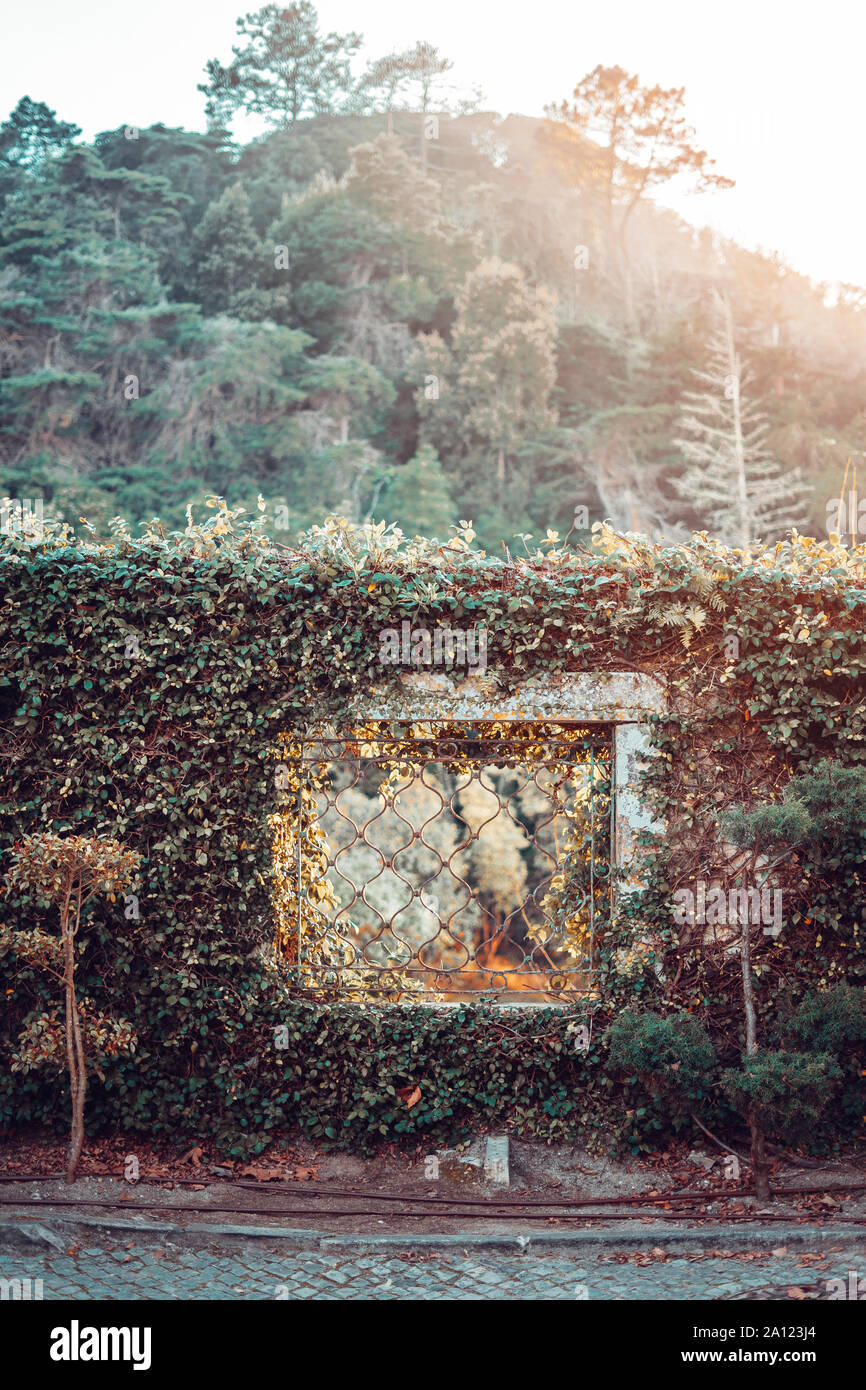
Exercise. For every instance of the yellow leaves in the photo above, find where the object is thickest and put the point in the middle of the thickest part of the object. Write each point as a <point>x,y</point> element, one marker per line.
<point>696,615</point>
<point>464,538</point>
<point>691,618</point>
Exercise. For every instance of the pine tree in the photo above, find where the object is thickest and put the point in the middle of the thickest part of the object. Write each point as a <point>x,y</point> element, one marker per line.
<point>286,70</point>
<point>631,139</point>
<point>30,136</point>
<point>742,490</point>
<point>417,498</point>
<point>383,176</point>
<point>493,384</point>
<point>228,255</point>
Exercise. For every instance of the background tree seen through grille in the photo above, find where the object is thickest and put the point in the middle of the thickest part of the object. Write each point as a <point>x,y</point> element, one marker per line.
<point>456,858</point>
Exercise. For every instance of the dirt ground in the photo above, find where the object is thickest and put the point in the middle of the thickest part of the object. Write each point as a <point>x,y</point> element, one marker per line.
<point>297,1185</point>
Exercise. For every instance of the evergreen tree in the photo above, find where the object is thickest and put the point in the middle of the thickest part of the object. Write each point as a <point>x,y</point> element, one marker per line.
<point>491,388</point>
<point>383,176</point>
<point>362,271</point>
<point>129,203</point>
<point>425,67</point>
<point>631,139</point>
<point>417,498</point>
<point>228,257</point>
<point>92,335</point>
<point>197,167</point>
<point>742,491</point>
<point>30,136</point>
<point>381,84</point>
<point>285,70</point>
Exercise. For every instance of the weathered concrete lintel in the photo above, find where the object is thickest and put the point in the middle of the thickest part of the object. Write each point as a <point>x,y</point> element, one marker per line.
<point>587,697</point>
<point>621,698</point>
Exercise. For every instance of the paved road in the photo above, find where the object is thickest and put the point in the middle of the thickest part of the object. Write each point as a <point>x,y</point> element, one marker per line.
<point>264,1270</point>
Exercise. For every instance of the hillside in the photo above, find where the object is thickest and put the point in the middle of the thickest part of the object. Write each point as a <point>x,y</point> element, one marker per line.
<point>349,316</point>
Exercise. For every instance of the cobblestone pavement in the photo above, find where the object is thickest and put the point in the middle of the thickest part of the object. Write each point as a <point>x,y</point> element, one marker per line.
<point>262,1270</point>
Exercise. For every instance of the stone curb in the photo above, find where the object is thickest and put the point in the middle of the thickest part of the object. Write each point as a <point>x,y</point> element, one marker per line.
<point>726,1237</point>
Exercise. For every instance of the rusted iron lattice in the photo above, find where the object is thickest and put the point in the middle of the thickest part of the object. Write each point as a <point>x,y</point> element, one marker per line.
<point>452,860</point>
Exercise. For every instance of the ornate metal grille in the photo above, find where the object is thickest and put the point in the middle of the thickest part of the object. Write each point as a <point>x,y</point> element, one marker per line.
<point>450,860</point>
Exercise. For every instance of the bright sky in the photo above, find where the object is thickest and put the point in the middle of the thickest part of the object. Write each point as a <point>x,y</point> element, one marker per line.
<point>775,88</point>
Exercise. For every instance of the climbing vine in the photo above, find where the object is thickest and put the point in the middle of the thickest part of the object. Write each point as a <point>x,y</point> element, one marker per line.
<point>146,685</point>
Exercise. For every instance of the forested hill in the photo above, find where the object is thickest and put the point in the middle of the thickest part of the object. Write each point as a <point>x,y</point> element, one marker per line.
<point>403,315</point>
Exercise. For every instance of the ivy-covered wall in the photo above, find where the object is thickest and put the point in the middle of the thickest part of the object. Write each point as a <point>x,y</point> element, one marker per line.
<point>143,685</point>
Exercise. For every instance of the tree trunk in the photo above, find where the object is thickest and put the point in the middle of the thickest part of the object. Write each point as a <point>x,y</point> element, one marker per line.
<point>78,1086</point>
<point>758,1154</point>
<point>74,1050</point>
<point>744,519</point>
<point>74,1061</point>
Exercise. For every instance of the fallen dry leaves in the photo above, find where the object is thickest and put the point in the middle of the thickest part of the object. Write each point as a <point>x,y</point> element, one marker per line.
<point>262,1174</point>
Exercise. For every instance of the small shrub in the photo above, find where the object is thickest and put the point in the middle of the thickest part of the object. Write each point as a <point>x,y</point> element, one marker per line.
<point>786,1092</point>
<point>67,871</point>
<point>671,1055</point>
<point>833,1021</point>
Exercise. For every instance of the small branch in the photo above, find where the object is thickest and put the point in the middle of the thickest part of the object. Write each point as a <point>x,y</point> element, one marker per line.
<point>718,1141</point>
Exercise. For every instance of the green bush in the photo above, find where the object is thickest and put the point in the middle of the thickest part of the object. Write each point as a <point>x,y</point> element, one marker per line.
<point>671,1055</point>
<point>341,1075</point>
<point>788,1092</point>
<point>831,1021</point>
<point>834,1021</point>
